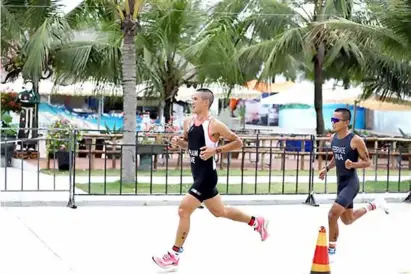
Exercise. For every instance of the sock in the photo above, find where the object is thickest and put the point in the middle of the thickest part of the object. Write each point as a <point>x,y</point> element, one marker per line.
<point>177,250</point>
<point>332,245</point>
<point>371,206</point>
<point>252,222</point>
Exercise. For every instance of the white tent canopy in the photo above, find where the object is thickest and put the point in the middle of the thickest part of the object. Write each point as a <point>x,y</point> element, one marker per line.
<point>304,94</point>
<point>48,87</point>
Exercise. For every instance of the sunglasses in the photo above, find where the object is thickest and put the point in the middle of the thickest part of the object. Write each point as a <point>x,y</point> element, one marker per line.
<point>335,120</point>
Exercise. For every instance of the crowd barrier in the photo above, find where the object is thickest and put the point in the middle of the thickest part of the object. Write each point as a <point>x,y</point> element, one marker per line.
<point>92,164</point>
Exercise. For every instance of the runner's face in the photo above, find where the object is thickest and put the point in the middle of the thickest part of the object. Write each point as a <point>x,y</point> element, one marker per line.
<point>198,104</point>
<point>338,122</point>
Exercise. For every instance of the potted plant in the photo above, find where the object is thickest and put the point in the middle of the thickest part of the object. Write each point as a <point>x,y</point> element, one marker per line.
<point>114,144</point>
<point>147,145</point>
<point>146,148</point>
<point>9,102</point>
<point>60,135</point>
<point>8,131</point>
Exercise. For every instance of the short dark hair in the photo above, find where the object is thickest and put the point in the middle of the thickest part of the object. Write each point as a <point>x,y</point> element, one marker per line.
<point>346,113</point>
<point>208,95</point>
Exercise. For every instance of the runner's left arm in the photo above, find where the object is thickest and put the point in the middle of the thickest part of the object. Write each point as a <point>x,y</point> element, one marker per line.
<point>223,131</point>
<point>365,162</point>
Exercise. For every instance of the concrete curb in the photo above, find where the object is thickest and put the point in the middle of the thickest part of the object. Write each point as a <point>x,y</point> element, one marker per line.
<point>61,200</point>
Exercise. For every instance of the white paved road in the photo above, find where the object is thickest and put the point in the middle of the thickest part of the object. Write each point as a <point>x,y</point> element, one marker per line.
<point>123,239</point>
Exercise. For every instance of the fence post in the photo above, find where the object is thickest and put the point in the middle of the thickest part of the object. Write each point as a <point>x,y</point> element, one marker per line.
<point>72,166</point>
<point>310,199</point>
<point>408,199</point>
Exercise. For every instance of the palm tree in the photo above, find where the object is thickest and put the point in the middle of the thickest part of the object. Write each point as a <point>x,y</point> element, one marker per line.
<point>310,41</point>
<point>233,25</point>
<point>382,39</point>
<point>112,17</point>
<point>166,29</point>
<point>31,34</point>
<point>389,73</point>
<point>163,60</point>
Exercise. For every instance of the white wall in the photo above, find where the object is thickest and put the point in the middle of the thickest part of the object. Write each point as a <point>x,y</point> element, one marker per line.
<point>390,121</point>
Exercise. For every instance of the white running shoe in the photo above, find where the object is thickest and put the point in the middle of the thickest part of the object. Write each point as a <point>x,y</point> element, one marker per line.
<point>380,203</point>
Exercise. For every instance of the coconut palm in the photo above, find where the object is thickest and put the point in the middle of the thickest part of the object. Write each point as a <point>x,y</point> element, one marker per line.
<point>390,72</point>
<point>383,40</point>
<point>316,44</point>
<point>231,26</point>
<point>110,17</point>
<point>163,60</point>
<point>166,29</point>
<point>31,33</point>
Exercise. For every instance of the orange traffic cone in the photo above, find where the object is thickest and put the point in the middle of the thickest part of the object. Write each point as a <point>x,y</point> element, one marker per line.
<point>321,264</point>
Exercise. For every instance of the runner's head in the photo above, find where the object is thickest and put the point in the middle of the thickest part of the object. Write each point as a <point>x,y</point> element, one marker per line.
<point>202,100</point>
<point>341,119</point>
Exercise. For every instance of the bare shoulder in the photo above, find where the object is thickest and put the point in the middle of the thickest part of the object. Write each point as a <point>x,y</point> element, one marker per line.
<point>217,126</point>
<point>357,141</point>
<point>215,122</point>
<point>186,122</point>
<point>219,129</point>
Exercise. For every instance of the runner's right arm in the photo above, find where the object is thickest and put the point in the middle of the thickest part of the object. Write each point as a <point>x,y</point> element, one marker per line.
<point>331,164</point>
<point>182,141</point>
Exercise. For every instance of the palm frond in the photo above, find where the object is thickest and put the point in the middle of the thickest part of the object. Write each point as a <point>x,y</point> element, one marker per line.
<point>40,10</point>
<point>386,77</point>
<point>277,52</point>
<point>338,8</point>
<point>12,32</point>
<point>97,59</point>
<point>397,17</point>
<point>167,29</point>
<point>90,14</point>
<point>266,26</point>
<point>51,34</point>
<point>365,35</point>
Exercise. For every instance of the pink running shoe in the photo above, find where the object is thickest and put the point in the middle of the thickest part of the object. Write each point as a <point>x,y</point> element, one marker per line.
<point>168,261</point>
<point>261,227</point>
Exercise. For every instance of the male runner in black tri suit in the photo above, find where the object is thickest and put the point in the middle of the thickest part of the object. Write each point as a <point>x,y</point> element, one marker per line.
<point>347,149</point>
<point>201,135</point>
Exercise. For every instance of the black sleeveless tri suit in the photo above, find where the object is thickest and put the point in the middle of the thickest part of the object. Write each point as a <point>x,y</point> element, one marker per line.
<point>348,184</point>
<point>204,172</point>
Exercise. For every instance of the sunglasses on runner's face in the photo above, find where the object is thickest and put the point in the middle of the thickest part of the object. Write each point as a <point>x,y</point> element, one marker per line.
<point>335,120</point>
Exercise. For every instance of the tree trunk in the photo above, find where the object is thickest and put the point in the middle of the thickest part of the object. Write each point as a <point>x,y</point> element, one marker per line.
<point>318,89</point>
<point>318,82</point>
<point>346,83</point>
<point>168,110</point>
<point>129,68</point>
<point>160,111</point>
<point>170,88</point>
<point>34,133</point>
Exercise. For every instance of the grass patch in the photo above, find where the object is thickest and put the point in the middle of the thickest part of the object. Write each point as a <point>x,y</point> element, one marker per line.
<point>232,172</point>
<point>275,188</point>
